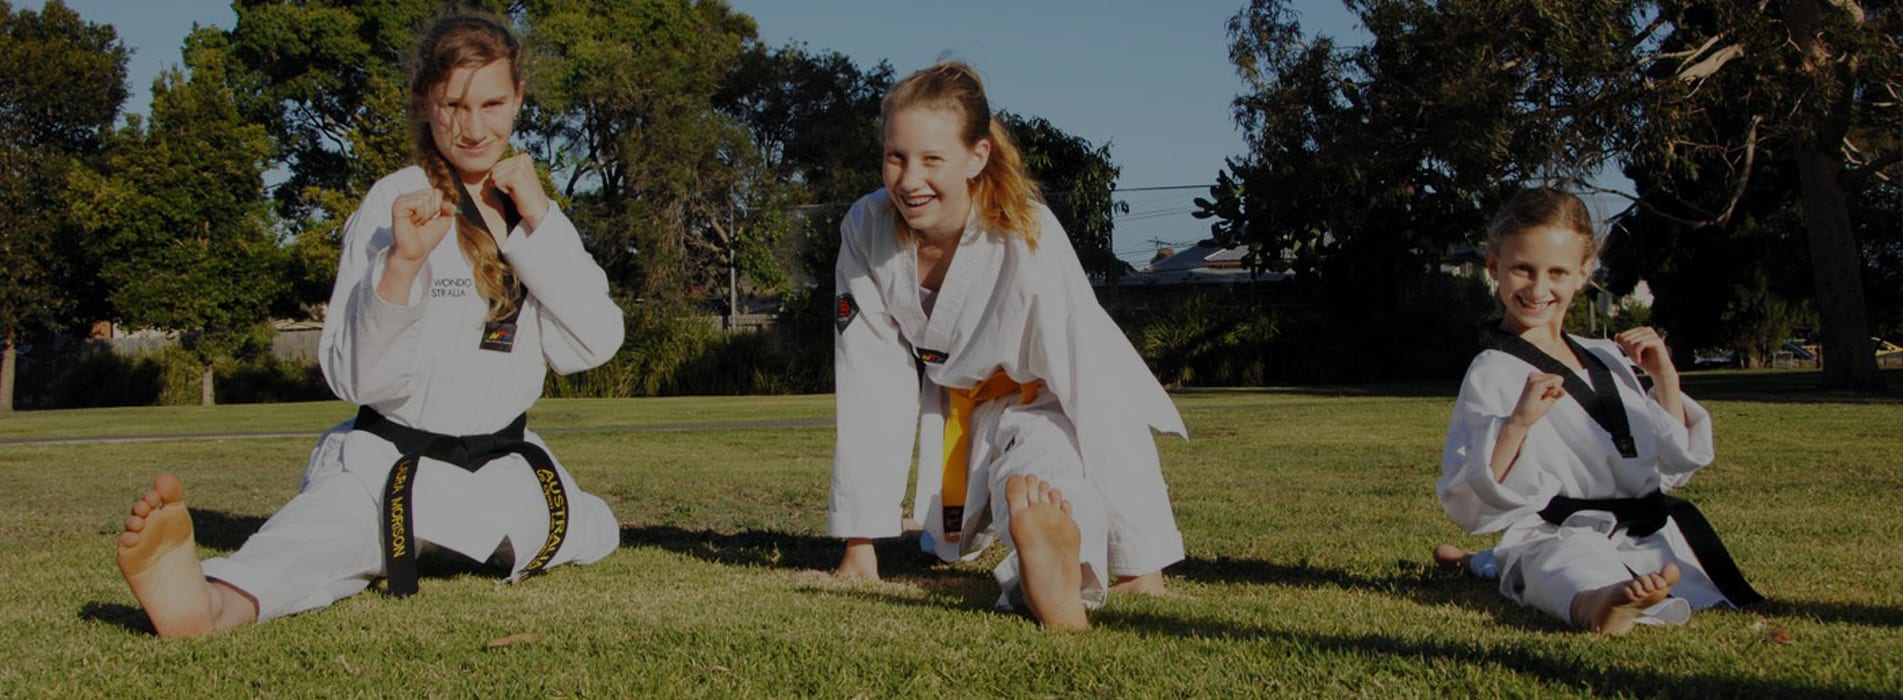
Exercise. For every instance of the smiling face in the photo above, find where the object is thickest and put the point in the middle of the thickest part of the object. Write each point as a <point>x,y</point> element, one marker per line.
<point>928,170</point>
<point>1537,272</point>
<point>473,116</point>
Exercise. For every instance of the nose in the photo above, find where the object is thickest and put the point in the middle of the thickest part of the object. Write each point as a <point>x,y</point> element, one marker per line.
<point>910,176</point>
<point>464,119</point>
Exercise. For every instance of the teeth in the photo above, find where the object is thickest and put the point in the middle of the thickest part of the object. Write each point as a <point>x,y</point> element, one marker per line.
<point>916,202</point>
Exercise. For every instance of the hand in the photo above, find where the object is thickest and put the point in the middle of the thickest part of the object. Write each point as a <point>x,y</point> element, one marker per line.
<point>516,178</point>
<point>1647,348</point>
<point>1541,392</point>
<point>418,221</point>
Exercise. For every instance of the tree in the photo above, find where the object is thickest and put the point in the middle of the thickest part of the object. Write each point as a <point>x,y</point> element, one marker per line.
<point>1800,91</point>
<point>325,79</point>
<point>62,81</point>
<point>1079,182</point>
<point>182,209</point>
<point>624,115</point>
<point>1366,163</point>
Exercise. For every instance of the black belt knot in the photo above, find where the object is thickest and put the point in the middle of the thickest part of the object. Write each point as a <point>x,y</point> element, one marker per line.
<point>470,453</point>
<point>1648,514</point>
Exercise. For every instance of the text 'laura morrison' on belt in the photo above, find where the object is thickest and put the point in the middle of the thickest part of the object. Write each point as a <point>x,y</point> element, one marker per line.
<point>957,472</point>
<point>1647,514</point>
<point>470,452</point>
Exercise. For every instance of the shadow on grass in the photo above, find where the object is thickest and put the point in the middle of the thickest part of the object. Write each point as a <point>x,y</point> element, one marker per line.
<point>1558,666</point>
<point>898,556</point>
<point>127,617</point>
<point>1418,581</point>
<point>1832,612</point>
<point>1787,386</point>
<point>1772,386</point>
<point>216,529</point>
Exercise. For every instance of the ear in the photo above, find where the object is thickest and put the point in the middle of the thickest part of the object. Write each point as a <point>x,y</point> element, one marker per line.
<point>1490,271</point>
<point>980,157</point>
<point>1586,271</point>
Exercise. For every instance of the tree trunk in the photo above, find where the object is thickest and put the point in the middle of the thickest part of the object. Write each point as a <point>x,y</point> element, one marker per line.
<point>1847,357</point>
<point>6,376</point>
<point>206,397</point>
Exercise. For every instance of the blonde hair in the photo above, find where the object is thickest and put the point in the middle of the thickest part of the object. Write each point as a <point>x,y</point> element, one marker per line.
<point>1540,207</point>
<point>1003,193</point>
<point>463,40</point>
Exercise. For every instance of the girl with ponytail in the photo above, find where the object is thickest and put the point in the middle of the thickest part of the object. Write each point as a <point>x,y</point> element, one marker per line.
<point>964,320</point>
<point>443,346</point>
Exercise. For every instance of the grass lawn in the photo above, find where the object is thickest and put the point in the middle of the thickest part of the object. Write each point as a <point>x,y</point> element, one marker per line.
<point>1309,515</point>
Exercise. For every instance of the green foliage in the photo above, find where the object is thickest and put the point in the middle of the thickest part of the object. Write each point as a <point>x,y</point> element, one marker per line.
<point>62,81</point>
<point>670,353</point>
<point>1218,339</point>
<point>181,211</point>
<point>1079,182</point>
<point>173,376</point>
<point>1203,341</point>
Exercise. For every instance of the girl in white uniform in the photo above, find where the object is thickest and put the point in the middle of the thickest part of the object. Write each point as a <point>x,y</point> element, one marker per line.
<point>459,285</point>
<point>1556,445</point>
<point>964,318</point>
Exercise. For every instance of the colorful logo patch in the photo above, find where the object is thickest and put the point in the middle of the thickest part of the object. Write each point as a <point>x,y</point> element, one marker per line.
<point>932,356</point>
<point>844,311</point>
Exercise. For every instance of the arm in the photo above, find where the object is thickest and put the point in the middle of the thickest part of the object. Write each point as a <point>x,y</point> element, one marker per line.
<point>581,326</point>
<point>371,336</point>
<point>877,390</point>
<point>1491,473</point>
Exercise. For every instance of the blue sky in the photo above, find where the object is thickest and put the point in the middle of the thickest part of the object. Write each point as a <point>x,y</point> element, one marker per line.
<point>1150,78</point>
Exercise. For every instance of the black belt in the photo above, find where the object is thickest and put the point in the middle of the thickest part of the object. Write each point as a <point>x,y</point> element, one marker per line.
<point>469,452</point>
<point>1647,514</point>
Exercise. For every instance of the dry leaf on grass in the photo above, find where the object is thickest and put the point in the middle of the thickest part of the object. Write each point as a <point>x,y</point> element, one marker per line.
<point>1782,636</point>
<point>514,639</point>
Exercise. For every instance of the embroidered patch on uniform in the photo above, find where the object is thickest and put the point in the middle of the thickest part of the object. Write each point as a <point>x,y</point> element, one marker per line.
<point>932,356</point>
<point>498,335</point>
<point>844,311</point>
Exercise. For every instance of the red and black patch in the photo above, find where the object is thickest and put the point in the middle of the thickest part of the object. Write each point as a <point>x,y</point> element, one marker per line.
<point>932,356</point>
<point>844,311</point>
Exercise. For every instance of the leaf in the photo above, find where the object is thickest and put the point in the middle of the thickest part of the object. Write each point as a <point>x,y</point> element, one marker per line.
<point>513,639</point>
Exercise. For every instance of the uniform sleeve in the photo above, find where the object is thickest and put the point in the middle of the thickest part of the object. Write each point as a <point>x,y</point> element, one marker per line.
<point>581,326</point>
<point>1683,447</point>
<point>1467,489</point>
<point>369,347</point>
<point>877,395</point>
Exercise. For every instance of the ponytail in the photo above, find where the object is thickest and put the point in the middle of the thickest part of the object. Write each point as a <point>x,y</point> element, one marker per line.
<point>1003,193</point>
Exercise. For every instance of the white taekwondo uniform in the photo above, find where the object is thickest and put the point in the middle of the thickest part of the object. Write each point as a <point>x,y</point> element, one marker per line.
<point>420,365</point>
<point>1568,453</point>
<point>1004,306</point>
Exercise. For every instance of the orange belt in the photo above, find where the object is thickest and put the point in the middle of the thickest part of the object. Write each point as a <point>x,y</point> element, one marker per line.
<point>958,441</point>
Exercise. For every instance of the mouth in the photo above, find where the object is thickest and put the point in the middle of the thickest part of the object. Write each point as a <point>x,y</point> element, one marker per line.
<point>1535,307</point>
<point>915,202</point>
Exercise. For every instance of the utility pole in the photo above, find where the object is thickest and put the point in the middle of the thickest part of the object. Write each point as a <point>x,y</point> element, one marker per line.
<point>733,276</point>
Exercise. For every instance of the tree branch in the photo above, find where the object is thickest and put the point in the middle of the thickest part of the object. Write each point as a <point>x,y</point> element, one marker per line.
<point>1744,175</point>
<point>1874,166</point>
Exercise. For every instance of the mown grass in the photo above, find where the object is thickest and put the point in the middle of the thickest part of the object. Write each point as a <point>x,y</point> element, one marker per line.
<point>1309,514</point>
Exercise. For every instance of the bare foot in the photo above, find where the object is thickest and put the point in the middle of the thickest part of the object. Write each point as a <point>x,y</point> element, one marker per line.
<point>1151,584</point>
<point>860,563</point>
<point>1047,541</point>
<point>1614,609</point>
<point>159,559</point>
<point>1449,558</point>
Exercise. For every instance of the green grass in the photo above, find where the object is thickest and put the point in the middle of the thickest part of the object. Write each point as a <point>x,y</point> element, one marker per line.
<point>1309,514</point>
